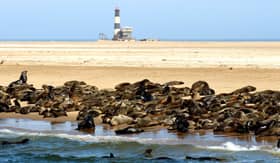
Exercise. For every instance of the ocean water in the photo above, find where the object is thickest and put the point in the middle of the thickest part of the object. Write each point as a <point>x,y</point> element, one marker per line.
<point>62,143</point>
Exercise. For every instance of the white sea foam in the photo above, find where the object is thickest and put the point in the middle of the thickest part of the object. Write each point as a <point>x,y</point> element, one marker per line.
<point>93,138</point>
<point>229,146</point>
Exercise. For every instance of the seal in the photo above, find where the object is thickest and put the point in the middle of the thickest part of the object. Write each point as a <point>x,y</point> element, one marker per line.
<point>110,156</point>
<point>23,77</point>
<point>24,141</point>
<point>204,158</point>
<point>148,154</point>
<point>22,80</point>
<point>181,123</point>
<point>87,124</point>
<point>128,130</point>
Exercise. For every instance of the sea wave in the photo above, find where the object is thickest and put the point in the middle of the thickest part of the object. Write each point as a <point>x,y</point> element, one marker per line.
<point>230,146</point>
<point>88,138</point>
<point>92,138</point>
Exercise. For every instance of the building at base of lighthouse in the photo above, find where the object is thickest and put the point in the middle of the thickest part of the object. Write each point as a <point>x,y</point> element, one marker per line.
<point>121,34</point>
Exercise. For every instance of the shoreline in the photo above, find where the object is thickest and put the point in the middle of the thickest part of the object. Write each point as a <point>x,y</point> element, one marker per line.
<point>249,137</point>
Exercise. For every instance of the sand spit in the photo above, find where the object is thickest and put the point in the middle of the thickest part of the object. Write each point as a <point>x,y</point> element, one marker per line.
<point>143,54</point>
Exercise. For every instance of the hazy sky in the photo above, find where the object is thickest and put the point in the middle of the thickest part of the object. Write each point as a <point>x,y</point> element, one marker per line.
<point>162,19</point>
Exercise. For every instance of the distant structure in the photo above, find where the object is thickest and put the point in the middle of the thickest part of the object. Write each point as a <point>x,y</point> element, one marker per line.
<point>102,36</point>
<point>121,34</point>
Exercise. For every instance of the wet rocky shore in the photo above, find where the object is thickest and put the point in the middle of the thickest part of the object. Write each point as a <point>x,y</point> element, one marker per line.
<point>132,107</point>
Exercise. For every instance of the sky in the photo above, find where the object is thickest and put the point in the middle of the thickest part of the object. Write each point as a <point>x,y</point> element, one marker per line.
<point>159,19</point>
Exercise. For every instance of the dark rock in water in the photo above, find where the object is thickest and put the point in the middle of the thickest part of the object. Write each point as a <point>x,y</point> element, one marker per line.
<point>87,123</point>
<point>128,130</point>
<point>181,123</point>
<point>24,141</point>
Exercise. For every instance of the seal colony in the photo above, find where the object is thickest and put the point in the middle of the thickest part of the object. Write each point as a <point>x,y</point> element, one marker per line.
<point>132,107</point>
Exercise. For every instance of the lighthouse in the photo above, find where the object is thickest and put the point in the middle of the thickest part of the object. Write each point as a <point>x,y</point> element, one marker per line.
<point>124,33</point>
<point>117,25</point>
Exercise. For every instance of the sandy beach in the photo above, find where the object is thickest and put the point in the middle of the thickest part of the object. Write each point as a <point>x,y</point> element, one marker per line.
<point>143,54</point>
<point>225,65</point>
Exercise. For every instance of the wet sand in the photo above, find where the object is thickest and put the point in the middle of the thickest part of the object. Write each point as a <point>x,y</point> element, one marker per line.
<point>71,116</point>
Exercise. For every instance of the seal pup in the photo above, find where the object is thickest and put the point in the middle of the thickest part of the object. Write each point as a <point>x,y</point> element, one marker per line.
<point>23,141</point>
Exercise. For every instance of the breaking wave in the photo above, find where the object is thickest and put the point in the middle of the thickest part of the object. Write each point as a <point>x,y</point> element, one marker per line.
<point>229,146</point>
<point>92,138</point>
